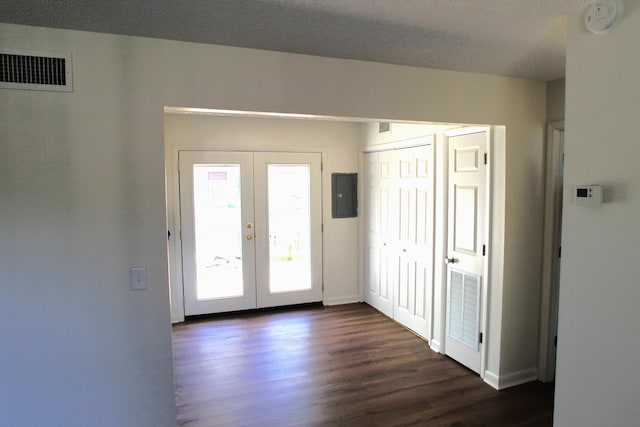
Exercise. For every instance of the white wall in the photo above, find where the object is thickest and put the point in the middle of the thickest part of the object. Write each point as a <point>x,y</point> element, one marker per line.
<point>598,376</point>
<point>82,187</point>
<point>339,143</point>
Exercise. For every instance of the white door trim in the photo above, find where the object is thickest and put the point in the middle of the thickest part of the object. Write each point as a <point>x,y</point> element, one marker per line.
<point>551,238</point>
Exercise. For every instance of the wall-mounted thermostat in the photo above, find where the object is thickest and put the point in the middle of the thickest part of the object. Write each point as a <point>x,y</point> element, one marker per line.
<point>588,195</point>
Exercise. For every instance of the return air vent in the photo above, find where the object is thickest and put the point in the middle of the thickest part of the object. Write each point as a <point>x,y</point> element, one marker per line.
<point>31,70</point>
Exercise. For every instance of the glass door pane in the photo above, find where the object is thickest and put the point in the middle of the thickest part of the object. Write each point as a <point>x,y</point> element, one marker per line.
<point>289,227</point>
<point>218,231</point>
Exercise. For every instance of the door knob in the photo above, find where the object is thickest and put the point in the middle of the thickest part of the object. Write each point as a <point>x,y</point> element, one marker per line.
<point>250,236</point>
<point>249,225</point>
<point>451,260</point>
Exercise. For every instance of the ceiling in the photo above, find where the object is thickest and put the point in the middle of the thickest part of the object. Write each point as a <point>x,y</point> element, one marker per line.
<point>519,38</point>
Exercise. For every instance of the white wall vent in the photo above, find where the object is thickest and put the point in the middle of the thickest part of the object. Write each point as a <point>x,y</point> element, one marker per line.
<point>33,70</point>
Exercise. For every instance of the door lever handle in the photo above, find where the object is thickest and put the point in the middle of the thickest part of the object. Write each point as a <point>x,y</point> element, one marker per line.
<point>451,260</point>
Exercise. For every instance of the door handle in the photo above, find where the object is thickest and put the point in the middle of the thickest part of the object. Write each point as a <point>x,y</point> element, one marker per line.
<point>249,225</point>
<point>250,236</point>
<point>451,260</point>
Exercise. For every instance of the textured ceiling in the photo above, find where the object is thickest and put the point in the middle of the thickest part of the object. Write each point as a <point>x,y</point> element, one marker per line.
<point>520,38</point>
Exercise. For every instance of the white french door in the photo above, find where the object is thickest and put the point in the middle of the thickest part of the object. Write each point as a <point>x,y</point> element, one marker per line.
<point>251,229</point>
<point>466,247</point>
<point>399,262</point>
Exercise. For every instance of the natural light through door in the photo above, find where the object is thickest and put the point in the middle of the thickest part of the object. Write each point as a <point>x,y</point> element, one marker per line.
<point>289,227</point>
<point>218,233</point>
<point>251,229</point>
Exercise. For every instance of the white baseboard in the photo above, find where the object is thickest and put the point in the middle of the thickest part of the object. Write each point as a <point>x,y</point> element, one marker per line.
<point>342,300</point>
<point>500,382</point>
<point>435,346</point>
<point>492,379</point>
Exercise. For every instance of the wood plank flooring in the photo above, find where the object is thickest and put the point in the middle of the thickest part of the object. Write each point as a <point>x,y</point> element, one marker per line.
<point>333,366</point>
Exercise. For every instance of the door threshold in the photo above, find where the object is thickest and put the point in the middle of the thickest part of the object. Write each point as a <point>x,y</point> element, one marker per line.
<point>293,307</point>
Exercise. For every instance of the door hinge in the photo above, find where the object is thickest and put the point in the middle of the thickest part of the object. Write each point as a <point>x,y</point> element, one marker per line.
<point>485,158</point>
<point>323,286</point>
<point>322,228</point>
<point>168,234</point>
<point>480,338</point>
<point>321,166</point>
<point>559,251</point>
<point>484,250</point>
<point>555,341</point>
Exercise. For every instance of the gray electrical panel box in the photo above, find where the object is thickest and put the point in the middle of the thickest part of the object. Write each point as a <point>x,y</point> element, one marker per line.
<point>344,195</point>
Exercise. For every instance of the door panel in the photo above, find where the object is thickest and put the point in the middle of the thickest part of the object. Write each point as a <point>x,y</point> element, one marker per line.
<point>415,243</point>
<point>288,228</point>
<point>467,206</point>
<point>465,225</point>
<point>216,191</point>
<point>379,267</point>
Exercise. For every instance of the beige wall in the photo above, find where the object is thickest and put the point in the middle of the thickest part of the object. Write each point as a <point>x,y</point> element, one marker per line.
<point>83,199</point>
<point>338,142</point>
<point>598,379</point>
<point>555,100</point>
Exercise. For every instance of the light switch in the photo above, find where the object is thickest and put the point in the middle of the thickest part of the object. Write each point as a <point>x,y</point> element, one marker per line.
<point>138,278</point>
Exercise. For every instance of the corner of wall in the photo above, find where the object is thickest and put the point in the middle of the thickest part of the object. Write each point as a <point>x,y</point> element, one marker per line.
<point>501,382</point>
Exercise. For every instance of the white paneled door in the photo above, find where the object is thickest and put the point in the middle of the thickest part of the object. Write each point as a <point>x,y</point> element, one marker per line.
<point>466,247</point>
<point>412,301</point>
<point>251,229</point>
<point>381,232</point>
<point>399,262</point>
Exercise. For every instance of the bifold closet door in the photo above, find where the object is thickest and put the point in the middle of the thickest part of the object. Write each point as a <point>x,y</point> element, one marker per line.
<point>399,221</point>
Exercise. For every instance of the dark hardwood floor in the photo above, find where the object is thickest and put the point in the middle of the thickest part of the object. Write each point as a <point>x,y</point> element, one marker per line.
<point>333,366</point>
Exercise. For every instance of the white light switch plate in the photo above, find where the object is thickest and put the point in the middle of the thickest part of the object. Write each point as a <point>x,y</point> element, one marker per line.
<point>138,278</point>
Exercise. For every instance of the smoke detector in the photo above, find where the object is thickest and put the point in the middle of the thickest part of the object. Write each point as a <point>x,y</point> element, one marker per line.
<point>603,15</point>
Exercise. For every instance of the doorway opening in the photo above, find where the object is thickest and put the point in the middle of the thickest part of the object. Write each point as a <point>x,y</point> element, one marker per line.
<point>342,144</point>
<point>552,251</point>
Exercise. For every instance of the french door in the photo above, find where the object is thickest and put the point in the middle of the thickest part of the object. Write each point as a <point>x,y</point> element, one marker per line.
<point>251,229</point>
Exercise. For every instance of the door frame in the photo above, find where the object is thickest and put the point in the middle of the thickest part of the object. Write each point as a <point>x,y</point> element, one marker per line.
<point>174,242</point>
<point>554,148</point>
<point>486,277</point>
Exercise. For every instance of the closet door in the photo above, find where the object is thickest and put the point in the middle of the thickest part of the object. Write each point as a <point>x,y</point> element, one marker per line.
<point>380,267</point>
<point>399,220</point>
<point>466,248</point>
<point>412,300</point>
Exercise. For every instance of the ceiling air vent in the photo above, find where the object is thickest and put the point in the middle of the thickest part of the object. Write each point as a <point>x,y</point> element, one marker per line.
<point>31,70</point>
<point>384,127</point>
